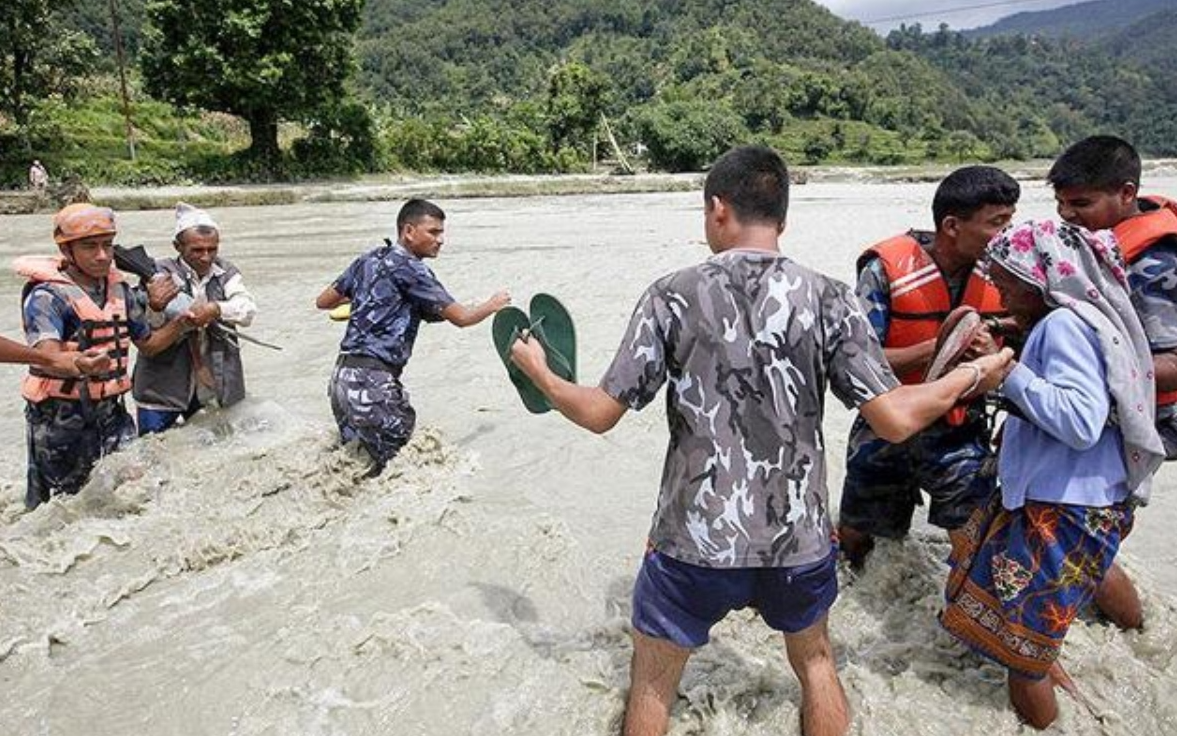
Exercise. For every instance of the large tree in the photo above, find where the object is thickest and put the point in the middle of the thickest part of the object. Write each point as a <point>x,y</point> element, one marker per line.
<point>264,60</point>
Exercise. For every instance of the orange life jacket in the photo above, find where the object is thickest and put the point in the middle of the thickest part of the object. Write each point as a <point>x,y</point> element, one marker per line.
<point>1137,234</point>
<point>101,327</point>
<point>920,300</point>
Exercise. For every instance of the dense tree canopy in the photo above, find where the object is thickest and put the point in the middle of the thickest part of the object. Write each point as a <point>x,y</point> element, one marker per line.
<point>264,60</point>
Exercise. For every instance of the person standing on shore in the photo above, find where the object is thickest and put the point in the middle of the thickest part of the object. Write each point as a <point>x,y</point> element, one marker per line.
<point>909,284</point>
<point>38,176</point>
<point>748,342</point>
<point>77,301</point>
<point>205,364</point>
<point>391,291</point>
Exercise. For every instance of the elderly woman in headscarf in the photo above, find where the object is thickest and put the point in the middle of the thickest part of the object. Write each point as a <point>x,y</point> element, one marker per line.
<point>1076,456</point>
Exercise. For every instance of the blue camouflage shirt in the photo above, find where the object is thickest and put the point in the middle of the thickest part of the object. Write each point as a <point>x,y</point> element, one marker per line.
<point>49,316</point>
<point>391,292</point>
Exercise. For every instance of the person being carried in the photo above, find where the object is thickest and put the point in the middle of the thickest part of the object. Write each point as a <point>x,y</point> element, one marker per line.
<point>391,291</point>
<point>205,364</point>
<point>73,302</point>
<point>748,342</point>
<point>909,284</point>
<point>1097,186</point>
<point>1078,446</point>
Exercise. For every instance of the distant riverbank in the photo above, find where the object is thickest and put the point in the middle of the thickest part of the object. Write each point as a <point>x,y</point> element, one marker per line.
<point>385,188</point>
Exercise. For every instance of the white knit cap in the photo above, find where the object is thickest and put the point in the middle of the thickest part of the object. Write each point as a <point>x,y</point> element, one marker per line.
<point>188,216</point>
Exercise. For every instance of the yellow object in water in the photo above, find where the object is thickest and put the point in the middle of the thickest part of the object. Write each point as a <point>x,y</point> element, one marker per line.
<point>342,313</point>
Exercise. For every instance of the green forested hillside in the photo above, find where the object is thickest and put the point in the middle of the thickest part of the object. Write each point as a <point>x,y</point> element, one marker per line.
<point>1089,20</point>
<point>551,85</point>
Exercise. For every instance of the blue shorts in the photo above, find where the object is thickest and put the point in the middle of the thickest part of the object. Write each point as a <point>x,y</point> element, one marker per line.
<point>679,602</point>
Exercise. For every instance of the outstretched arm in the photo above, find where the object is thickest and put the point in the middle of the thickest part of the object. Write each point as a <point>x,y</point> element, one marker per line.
<point>901,412</point>
<point>49,356</point>
<point>587,406</point>
<point>463,316</point>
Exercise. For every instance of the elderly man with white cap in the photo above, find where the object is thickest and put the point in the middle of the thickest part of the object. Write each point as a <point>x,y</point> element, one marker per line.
<point>76,302</point>
<point>205,365</point>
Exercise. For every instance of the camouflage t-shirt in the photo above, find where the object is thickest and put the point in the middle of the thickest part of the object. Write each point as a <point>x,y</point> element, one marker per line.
<point>391,292</point>
<point>749,342</point>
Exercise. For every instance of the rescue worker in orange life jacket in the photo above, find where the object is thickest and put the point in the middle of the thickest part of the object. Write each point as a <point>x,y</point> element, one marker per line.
<point>1096,185</point>
<point>909,284</point>
<point>77,301</point>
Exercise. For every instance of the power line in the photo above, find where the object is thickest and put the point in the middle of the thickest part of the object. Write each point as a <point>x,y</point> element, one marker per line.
<point>948,11</point>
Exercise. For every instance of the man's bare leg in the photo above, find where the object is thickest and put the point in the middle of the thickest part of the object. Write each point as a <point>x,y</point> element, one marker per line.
<point>654,674</point>
<point>1116,598</point>
<point>855,545</point>
<point>1034,700</point>
<point>824,710</point>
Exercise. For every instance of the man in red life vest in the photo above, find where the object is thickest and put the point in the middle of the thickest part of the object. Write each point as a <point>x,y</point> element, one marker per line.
<point>1097,186</point>
<point>77,301</point>
<point>909,284</point>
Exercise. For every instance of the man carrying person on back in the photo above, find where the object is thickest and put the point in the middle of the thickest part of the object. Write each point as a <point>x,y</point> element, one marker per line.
<point>391,292</point>
<point>748,342</point>
<point>205,364</point>
<point>909,284</point>
<point>1097,186</point>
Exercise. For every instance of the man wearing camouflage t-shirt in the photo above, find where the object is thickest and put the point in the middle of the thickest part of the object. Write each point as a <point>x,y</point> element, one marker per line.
<point>391,291</point>
<point>748,342</point>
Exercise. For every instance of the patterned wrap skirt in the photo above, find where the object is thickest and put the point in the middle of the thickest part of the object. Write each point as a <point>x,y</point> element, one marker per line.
<point>1022,576</point>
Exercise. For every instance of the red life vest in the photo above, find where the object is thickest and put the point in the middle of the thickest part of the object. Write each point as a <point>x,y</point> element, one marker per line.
<point>1137,234</point>
<point>101,327</point>
<point>920,300</point>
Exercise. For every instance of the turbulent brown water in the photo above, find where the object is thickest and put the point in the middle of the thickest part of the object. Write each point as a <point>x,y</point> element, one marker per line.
<point>233,576</point>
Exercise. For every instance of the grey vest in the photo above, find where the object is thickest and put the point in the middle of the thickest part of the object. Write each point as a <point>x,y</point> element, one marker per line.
<point>166,380</point>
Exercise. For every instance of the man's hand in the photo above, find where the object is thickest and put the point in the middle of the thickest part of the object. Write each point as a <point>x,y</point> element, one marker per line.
<point>993,370</point>
<point>201,315</point>
<point>982,344</point>
<point>73,364</point>
<point>161,290</point>
<point>499,300</point>
<point>529,356</point>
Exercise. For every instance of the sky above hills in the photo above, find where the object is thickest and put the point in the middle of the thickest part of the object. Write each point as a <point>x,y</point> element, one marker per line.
<point>883,15</point>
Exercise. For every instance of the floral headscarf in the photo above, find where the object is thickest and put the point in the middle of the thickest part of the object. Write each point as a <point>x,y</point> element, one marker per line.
<point>1083,271</point>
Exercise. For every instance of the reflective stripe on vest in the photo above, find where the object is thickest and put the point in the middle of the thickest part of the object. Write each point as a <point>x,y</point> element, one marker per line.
<point>1137,234</point>
<point>100,327</point>
<point>920,300</point>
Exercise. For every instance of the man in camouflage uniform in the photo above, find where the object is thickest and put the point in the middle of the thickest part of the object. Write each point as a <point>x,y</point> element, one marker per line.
<point>70,303</point>
<point>391,291</point>
<point>952,460</point>
<point>748,342</point>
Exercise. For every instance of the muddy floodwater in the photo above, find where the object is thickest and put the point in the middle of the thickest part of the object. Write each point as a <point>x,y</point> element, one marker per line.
<point>235,577</point>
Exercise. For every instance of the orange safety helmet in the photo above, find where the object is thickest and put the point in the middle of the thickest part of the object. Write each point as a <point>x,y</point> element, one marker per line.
<point>82,220</point>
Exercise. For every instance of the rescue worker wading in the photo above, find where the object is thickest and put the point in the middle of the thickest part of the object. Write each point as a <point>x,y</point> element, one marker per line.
<point>77,301</point>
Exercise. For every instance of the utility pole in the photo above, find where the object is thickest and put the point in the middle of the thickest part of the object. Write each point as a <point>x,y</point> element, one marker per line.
<point>118,50</point>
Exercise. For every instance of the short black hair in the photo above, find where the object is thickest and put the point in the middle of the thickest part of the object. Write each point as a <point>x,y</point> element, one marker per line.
<point>1102,162</point>
<point>753,181</point>
<point>416,210</point>
<point>965,191</point>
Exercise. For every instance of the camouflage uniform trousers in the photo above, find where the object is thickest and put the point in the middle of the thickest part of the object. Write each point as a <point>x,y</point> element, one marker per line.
<point>954,465</point>
<point>66,439</point>
<point>371,406</point>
